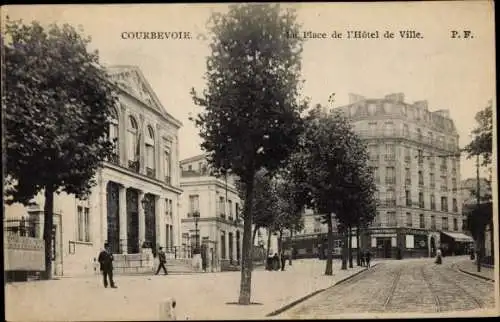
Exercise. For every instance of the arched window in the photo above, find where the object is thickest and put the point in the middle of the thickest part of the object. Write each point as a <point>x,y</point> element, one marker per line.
<point>133,135</point>
<point>114,130</point>
<point>150,152</point>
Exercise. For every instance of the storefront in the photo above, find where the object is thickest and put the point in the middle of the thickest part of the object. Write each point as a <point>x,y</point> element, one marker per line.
<point>455,243</point>
<point>399,243</point>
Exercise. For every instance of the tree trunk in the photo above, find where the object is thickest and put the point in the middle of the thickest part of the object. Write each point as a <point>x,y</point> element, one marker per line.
<point>280,243</point>
<point>358,248</point>
<point>344,250</point>
<point>479,250</point>
<point>246,267</point>
<point>268,242</point>
<point>349,240</point>
<point>47,231</point>
<point>329,256</point>
<point>290,248</point>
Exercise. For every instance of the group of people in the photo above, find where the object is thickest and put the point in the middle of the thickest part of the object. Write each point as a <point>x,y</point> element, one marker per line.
<point>365,257</point>
<point>105,260</point>
<point>276,262</point>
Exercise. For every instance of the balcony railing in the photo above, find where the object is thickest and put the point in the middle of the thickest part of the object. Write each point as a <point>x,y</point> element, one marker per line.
<point>443,168</point>
<point>168,179</point>
<point>150,172</point>
<point>411,135</point>
<point>133,165</point>
<point>389,157</point>
<point>390,180</point>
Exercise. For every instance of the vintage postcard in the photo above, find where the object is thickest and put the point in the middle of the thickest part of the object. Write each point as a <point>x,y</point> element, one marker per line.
<point>249,161</point>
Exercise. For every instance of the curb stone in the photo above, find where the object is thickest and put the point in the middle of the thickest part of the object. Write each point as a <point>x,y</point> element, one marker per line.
<point>475,275</point>
<point>302,299</point>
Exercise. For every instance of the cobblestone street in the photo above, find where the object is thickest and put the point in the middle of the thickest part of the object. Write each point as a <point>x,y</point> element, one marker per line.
<point>414,285</point>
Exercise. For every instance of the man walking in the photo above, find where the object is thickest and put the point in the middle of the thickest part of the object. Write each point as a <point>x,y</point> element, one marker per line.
<point>367,258</point>
<point>105,260</point>
<point>162,260</point>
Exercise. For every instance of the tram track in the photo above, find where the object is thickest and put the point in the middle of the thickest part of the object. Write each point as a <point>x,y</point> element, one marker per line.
<point>392,289</point>
<point>437,301</point>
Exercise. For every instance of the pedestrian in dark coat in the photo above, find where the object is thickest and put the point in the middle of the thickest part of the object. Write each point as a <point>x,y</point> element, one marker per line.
<point>367,258</point>
<point>162,259</point>
<point>283,260</point>
<point>105,260</point>
<point>276,262</point>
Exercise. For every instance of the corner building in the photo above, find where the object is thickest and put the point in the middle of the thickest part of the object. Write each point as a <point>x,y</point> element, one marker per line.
<point>212,216</point>
<point>414,155</point>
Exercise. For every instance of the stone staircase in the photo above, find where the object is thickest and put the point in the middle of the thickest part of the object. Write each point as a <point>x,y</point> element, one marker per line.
<point>145,264</point>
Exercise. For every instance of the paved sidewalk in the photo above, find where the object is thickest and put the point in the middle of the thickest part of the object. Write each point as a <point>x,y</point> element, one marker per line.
<point>198,296</point>
<point>470,266</point>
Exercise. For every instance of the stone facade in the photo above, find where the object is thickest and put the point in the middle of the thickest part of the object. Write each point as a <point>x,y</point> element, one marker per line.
<point>134,206</point>
<point>414,155</point>
<point>212,212</point>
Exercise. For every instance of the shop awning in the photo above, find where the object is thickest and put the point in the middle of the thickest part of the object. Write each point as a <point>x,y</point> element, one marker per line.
<point>459,237</point>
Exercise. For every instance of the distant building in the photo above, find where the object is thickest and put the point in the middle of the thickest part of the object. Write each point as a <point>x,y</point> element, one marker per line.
<point>411,151</point>
<point>212,205</point>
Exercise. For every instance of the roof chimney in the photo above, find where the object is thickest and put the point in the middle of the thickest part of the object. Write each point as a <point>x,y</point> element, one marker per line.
<point>354,98</point>
<point>395,97</point>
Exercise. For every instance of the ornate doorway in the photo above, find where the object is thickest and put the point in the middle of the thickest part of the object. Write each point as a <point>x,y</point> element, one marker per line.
<point>113,217</point>
<point>132,221</point>
<point>150,222</point>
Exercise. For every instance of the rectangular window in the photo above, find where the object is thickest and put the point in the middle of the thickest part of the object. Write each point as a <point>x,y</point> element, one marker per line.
<point>407,154</point>
<point>420,157</point>
<point>223,244</point>
<point>433,180</point>
<point>390,175</point>
<point>392,218</point>
<point>433,202</point>
<point>455,205</point>
<point>420,178</point>
<point>222,207</point>
<point>194,204</point>
<point>87,223</point>
<point>455,224</point>
<point>421,221</point>
<point>408,198</point>
<point>375,174</point>
<point>444,204</point>
<point>409,219</point>
<point>166,166</point>
<point>230,205</point>
<point>80,223</point>
<point>390,198</point>
<point>433,222</point>
<point>372,127</point>
<point>454,184</point>
<point>444,223</point>
<point>421,203</point>
<point>407,176</point>
<point>390,152</point>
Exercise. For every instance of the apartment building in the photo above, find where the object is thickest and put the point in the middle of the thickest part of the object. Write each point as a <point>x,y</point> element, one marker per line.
<point>414,155</point>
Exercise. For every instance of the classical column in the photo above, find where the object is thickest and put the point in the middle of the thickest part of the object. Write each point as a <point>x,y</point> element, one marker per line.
<point>103,211</point>
<point>160,221</point>
<point>122,196</point>
<point>142,219</point>
<point>122,135</point>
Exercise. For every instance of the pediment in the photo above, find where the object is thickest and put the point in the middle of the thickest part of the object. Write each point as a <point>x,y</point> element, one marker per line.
<point>132,81</point>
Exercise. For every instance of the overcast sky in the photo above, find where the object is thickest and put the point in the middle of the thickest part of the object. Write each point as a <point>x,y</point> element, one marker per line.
<point>453,74</point>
